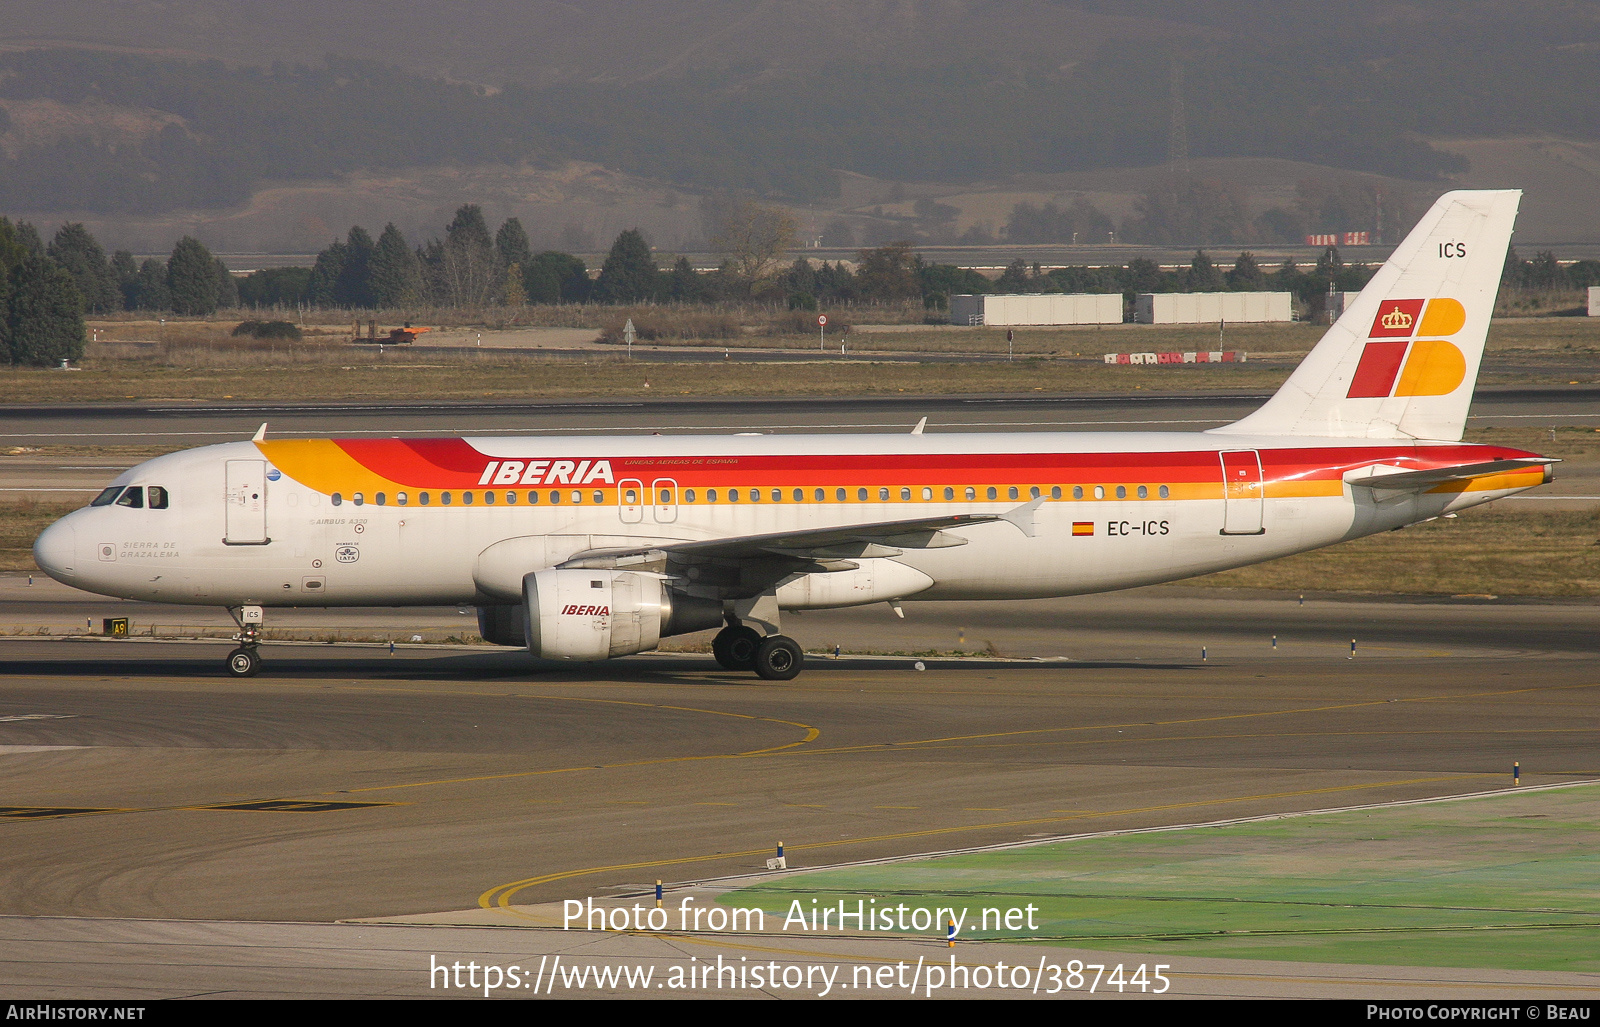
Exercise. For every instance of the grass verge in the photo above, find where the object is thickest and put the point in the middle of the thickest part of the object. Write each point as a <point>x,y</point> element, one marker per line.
<point>1507,882</point>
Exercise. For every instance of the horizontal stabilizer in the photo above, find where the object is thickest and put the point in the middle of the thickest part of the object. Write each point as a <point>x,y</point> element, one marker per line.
<point>1421,481</point>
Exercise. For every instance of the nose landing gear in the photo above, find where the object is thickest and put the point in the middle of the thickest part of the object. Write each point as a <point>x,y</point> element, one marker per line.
<point>245,661</point>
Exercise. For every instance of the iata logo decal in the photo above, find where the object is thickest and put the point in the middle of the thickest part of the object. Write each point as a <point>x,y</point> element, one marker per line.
<point>546,472</point>
<point>1402,367</point>
<point>573,610</point>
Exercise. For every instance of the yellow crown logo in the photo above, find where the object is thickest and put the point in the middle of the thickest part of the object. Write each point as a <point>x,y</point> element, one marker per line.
<point>1397,318</point>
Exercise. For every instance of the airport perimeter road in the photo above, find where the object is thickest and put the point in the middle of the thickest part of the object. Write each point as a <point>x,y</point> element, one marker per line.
<point>184,425</point>
<point>348,782</point>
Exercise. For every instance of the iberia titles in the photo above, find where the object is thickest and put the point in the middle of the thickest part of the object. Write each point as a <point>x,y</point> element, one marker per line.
<point>546,472</point>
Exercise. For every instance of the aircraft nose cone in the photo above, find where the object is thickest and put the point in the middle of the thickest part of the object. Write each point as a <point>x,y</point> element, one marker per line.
<point>56,551</point>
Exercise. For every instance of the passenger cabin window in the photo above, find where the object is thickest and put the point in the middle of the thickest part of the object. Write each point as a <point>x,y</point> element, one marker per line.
<point>381,498</point>
<point>1033,493</point>
<point>838,495</point>
<point>949,493</point>
<point>971,492</point>
<point>423,498</point>
<point>357,499</point>
<point>688,495</point>
<point>819,495</point>
<point>108,496</point>
<point>336,499</point>
<point>1055,492</point>
<point>993,493</point>
<point>1077,492</point>
<point>133,497</point>
<point>400,498</point>
<point>158,497</point>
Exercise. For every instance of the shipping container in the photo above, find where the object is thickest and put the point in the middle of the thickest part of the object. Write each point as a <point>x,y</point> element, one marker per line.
<point>1037,309</point>
<point>1209,307</point>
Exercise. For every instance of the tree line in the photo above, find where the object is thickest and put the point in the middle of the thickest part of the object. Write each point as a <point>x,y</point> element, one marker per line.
<point>46,289</point>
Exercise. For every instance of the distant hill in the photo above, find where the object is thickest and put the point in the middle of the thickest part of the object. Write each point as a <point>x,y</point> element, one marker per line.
<point>543,41</point>
<point>123,110</point>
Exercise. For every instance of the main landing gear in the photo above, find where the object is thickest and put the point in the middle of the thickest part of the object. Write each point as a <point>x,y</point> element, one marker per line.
<point>245,661</point>
<point>774,657</point>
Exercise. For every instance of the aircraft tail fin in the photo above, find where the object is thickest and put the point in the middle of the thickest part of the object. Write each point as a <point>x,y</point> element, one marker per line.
<point>1402,361</point>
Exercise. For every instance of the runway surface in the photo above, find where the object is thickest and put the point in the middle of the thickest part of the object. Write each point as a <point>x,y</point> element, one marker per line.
<point>55,475</point>
<point>346,782</point>
<point>142,786</point>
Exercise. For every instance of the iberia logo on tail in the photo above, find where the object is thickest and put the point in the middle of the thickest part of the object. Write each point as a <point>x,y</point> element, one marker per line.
<point>1395,365</point>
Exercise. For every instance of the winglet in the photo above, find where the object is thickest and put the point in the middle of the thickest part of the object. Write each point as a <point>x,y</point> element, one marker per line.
<point>261,433</point>
<point>1022,516</point>
<point>920,425</point>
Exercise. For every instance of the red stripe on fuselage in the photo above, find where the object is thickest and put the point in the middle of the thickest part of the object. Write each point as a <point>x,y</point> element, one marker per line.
<point>418,463</point>
<point>454,464</point>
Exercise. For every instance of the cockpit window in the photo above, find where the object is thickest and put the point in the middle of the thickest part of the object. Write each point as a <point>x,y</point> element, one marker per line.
<point>132,496</point>
<point>107,497</point>
<point>158,497</point>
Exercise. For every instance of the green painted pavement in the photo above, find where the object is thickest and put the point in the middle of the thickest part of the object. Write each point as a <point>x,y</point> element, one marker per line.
<point>1510,880</point>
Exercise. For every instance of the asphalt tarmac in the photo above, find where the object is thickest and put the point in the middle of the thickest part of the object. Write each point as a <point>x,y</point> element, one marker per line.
<point>143,788</point>
<point>348,782</point>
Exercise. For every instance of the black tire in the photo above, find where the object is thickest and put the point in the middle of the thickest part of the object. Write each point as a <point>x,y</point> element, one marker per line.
<point>735,648</point>
<point>243,663</point>
<point>778,658</point>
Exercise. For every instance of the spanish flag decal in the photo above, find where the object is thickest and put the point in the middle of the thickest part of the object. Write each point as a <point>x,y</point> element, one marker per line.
<point>1082,528</point>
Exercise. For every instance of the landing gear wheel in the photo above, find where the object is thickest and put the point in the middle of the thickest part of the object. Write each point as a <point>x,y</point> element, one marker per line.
<point>735,647</point>
<point>778,658</point>
<point>243,663</point>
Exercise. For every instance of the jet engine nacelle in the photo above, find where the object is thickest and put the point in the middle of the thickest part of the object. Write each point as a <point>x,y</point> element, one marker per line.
<point>598,614</point>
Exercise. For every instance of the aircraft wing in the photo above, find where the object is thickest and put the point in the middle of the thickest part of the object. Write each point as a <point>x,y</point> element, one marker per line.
<point>842,542</point>
<point>1421,481</point>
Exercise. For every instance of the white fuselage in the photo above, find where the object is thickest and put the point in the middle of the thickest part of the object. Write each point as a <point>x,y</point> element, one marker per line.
<point>290,532</point>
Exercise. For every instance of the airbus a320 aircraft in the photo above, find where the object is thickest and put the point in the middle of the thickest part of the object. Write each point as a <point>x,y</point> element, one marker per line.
<point>591,548</point>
